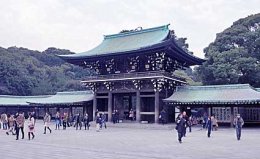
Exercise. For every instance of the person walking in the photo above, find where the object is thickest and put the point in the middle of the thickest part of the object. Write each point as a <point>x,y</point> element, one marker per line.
<point>209,125</point>
<point>57,121</point>
<point>131,114</point>
<point>31,127</point>
<point>78,121</point>
<point>47,120</point>
<point>86,121</point>
<point>114,116</point>
<point>4,120</point>
<point>65,120</point>
<point>98,122</point>
<point>162,117</point>
<point>20,125</point>
<point>185,116</point>
<point>180,127</point>
<point>11,122</point>
<point>103,120</point>
<point>214,123</point>
<point>190,123</point>
<point>238,123</point>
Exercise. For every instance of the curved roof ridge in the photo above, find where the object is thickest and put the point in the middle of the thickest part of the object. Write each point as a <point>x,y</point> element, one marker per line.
<point>134,32</point>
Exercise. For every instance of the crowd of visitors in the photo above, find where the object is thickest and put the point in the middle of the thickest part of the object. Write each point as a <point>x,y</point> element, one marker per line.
<point>17,124</point>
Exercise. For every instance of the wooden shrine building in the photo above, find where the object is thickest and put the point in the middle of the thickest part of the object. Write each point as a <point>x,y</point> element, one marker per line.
<point>223,101</point>
<point>134,70</point>
<point>69,102</point>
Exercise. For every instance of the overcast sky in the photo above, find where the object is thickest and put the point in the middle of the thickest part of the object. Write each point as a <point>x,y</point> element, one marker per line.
<point>79,25</point>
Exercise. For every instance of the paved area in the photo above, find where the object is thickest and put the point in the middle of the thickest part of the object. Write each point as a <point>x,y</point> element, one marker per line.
<point>136,142</point>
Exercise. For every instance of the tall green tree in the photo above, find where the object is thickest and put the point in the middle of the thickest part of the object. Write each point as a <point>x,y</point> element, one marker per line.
<point>234,55</point>
<point>28,72</point>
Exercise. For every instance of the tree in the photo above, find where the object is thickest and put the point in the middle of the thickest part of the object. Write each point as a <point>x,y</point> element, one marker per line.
<point>234,55</point>
<point>37,73</point>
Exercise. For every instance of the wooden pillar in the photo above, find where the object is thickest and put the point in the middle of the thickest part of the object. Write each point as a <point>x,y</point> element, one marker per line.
<point>110,106</point>
<point>94,106</point>
<point>231,116</point>
<point>138,106</point>
<point>157,106</point>
<point>71,111</point>
<point>209,111</point>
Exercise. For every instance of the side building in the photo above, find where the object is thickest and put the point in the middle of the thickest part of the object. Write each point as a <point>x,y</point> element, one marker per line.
<point>134,70</point>
<point>64,102</point>
<point>222,101</point>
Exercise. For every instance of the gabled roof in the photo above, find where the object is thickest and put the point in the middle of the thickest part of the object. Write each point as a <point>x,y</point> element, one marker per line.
<point>123,42</point>
<point>59,98</point>
<point>136,42</point>
<point>215,94</point>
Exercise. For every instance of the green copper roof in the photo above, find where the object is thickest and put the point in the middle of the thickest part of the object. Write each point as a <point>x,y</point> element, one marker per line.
<point>59,98</point>
<point>128,41</point>
<point>238,93</point>
<point>8,100</point>
<point>65,98</point>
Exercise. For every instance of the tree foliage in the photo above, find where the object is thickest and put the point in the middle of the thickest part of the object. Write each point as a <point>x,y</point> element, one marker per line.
<point>234,55</point>
<point>28,72</point>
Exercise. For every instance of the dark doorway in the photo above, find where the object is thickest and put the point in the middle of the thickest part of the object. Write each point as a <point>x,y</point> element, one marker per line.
<point>124,102</point>
<point>102,104</point>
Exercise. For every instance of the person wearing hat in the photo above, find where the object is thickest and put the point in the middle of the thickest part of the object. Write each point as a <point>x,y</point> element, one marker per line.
<point>238,123</point>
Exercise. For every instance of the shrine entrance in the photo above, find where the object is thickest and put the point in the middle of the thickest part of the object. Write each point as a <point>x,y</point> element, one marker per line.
<point>124,102</point>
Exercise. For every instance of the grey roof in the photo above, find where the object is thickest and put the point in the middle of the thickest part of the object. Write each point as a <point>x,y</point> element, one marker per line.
<point>59,98</point>
<point>237,93</point>
<point>127,41</point>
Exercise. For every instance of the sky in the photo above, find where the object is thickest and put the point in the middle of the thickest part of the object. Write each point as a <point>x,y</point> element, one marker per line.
<point>79,25</point>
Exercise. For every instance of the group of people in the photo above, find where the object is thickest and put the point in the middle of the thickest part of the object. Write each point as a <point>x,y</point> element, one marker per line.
<point>15,123</point>
<point>211,124</point>
<point>100,120</point>
<point>115,116</point>
<point>77,121</point>
<point>182,122</point>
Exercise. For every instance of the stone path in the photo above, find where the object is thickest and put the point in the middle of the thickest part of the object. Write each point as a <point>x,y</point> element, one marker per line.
<point>120,141</point>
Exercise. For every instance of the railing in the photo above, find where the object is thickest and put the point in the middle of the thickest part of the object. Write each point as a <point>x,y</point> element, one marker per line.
<point>134,75</point>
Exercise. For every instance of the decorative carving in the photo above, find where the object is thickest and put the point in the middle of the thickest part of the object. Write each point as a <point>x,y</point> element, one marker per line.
<point>91,86</point>
<point>95,65</point>
<point>155,62</point>
<point>110,66</point>
<point>109,85</point>
<point>158,84</point>
<point>137,84</point>
<point>133,63</point>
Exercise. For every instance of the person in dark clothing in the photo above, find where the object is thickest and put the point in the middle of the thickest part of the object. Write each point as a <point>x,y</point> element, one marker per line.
<point>180,127</point>
<point>114,116</point>
<point>238,123</point>
<point>190,122</point>
<point>86,121</point>
<point>117,116</point>
<point>185,116</point>
<point>162,117</point>
<point>209,125</point>
<point>78,121</point>
<point>98,122</point>
<point>204,121</point>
